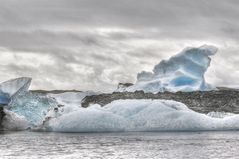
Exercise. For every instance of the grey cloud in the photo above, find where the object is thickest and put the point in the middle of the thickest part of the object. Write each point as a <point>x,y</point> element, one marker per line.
<point>96,44</point>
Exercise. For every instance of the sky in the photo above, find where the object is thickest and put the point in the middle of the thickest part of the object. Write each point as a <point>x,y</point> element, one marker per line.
<point>95,44</point>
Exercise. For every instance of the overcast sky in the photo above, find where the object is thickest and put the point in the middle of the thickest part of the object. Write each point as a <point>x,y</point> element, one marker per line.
<point>94,44</point>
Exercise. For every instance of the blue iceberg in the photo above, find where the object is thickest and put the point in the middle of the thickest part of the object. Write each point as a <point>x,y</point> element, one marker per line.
<point>32,106</point>
<point>182,72</point>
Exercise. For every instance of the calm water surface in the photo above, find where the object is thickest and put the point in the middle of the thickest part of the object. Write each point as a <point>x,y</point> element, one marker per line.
<point>119,145</point>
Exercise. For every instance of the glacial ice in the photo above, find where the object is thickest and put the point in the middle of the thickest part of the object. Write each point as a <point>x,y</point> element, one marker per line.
<point>182,72</point>
<point>63,112</point>
<point>13,87</point>
<point>32,106</point>
<point>138,115</point>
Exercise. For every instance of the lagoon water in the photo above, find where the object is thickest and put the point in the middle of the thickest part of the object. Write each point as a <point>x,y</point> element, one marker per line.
<point>128,145</point>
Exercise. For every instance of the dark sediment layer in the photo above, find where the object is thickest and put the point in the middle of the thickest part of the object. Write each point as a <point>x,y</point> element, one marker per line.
<point>2,114</point>
<point>53,91</point>
<point>221,100</point>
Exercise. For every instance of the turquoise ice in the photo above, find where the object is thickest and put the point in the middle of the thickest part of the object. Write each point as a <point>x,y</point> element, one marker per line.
<point>182,72</point>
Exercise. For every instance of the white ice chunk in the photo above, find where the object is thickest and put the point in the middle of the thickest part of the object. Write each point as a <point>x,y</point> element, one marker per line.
<point>139,115</point>
<point>13,87</point>
<point>88,120</point>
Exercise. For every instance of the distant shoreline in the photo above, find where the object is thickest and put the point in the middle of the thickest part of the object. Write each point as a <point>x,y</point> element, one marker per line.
<point>221,100</point>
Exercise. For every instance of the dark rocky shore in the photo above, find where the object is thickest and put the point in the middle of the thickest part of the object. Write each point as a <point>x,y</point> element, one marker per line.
<point>221,100</point>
